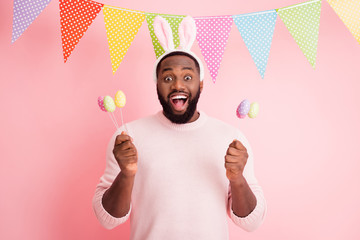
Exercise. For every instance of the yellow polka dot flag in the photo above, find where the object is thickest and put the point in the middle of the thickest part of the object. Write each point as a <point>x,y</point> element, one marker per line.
<point>121,26</point>
<point>349,13</point>
<point>302,20</point>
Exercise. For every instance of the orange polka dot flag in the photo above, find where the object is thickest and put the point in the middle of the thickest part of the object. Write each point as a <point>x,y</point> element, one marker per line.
<point>121,26</point>
<point>75,18</point>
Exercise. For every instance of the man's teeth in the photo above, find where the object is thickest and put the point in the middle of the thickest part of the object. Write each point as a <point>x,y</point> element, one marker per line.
<point>179,97</point>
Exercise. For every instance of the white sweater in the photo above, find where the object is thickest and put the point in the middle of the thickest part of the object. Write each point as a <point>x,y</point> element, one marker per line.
<point>180,189</point>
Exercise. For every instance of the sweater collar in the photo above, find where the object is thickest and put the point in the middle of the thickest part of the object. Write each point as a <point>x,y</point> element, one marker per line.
<point>185,126</point>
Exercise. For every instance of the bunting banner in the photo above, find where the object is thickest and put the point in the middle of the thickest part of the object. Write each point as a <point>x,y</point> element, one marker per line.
<point>302,20</point>
<point>75,19</point>
<point>174,21</point>
<point>349,13</point>
<point>257,31</point>
<point>25,12</point>
<point>121,25</point>
<point>212,35</point>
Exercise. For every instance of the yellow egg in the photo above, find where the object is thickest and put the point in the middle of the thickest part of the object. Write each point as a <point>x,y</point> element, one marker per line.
<point>109,104</point>
<point>120,99</point>
<point>254,110</point>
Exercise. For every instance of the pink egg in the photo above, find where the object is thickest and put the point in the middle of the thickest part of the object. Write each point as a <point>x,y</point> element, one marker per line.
<point>243,109</point>
<point>101,103</point>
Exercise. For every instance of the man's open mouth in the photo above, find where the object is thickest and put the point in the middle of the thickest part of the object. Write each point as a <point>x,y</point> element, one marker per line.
<point>179,101</point>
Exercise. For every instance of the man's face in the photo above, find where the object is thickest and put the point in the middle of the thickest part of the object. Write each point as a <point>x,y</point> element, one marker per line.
<point>178,88</point>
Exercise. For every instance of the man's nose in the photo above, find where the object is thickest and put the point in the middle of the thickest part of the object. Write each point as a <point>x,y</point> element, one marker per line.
<point>178,84</point>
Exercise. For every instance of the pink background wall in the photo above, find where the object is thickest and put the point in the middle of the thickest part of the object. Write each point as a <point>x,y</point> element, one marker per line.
<point>53,135</point>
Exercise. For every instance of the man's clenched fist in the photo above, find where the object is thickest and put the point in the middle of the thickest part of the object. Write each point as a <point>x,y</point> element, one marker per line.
<point>235,160</point>
<point>126,154</point>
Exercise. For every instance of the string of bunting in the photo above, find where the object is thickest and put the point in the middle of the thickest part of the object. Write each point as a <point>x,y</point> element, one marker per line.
<point>256,29</point>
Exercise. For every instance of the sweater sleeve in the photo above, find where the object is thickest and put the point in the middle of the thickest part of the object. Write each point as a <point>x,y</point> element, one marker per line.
<point>252,221</point>
<point>111,171</point>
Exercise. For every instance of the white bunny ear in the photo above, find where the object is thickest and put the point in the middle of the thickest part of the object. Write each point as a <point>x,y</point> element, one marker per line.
<point>187,32</point>
<point>163,32</point>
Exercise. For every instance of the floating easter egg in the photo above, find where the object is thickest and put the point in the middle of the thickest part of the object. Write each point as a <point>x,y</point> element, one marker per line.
<point>101,103</point>
<point>120,99</point>
<point>254,110</point>
<point>109,104</point>
<point>243,109</point>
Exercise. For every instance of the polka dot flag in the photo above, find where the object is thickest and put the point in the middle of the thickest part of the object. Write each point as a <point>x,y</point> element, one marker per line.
<point>257,30</point>
<point>212,35</point>
<point>302,20</point>
<point>121,26</point>
<point>25,12</point>
<point>75,18</point>
<point>174,21</point>
<point>349,13</point>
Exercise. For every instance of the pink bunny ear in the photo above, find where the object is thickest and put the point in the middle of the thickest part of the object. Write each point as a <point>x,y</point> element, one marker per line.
<point>163,32</point>
<point>187,32</point>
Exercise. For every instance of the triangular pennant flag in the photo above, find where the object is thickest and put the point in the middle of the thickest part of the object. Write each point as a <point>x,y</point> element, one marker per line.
<point>257,30</point>
<point>174,21</point>
<point>75,18</point>
<point>302,20</point>
<point>212,35</point>
<point>25,12</point>
<point>349,13</point>
<point>121,26</point>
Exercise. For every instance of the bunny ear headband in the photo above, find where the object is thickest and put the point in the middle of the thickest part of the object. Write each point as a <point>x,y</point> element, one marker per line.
<point>187,34</point>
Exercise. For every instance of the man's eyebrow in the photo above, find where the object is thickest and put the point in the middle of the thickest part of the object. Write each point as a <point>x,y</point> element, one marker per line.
<point>188,68</point>
<point>166,69</point>
<point>169,69</point>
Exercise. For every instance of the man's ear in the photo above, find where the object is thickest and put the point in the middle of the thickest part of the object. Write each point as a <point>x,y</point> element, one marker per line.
<point>201,85</point>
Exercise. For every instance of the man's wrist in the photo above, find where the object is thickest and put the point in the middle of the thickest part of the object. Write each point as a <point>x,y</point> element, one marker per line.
<point>238,182</point>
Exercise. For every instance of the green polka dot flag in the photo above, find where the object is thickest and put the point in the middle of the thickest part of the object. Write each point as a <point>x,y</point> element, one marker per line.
<point>174,21</point>
<point>302,20</point>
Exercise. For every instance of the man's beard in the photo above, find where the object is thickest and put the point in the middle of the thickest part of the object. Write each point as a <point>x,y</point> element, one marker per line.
<point>175,118</point>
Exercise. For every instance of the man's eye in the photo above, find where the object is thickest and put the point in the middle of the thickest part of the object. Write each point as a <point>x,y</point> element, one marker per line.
<point>187,78</point>
<point>167,79</point>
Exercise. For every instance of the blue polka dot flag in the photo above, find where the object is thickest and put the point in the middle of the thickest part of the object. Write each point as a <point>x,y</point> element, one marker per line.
<point>257,30</point>
<point>25,12</point>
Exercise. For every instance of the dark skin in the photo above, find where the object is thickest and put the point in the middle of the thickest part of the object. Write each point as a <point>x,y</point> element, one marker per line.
<point>176,73</point>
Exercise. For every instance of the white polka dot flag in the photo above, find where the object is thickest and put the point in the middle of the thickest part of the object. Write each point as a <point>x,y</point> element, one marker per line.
<point>121,26</point>
<point>25,12</point>
<point>212,35</point>
<point>257,31</point>
<point>349,13</point>
<point>302,20</point>
<point>174,21</point>
<point>75,17</point>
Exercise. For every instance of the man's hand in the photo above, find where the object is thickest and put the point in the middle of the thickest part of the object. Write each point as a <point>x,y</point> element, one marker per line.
<point>126,154</point>
<point>235,160</point>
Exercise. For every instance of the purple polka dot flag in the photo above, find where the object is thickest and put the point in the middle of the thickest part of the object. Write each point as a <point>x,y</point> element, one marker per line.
<point>212,35</point>
<point>25,12</point>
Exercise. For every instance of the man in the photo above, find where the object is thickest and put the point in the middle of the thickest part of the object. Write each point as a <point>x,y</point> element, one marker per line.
<point>169,173</point>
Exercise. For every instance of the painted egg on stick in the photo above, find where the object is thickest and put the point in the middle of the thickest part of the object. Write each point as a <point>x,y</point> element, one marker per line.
<point>120,99</point>
<point>243,109</point>
<point>109,104</point>
<point>101,103</point>
<point>254,110</point>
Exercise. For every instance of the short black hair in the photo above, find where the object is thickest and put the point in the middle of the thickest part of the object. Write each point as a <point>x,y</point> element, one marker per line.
<point>177,53</point>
